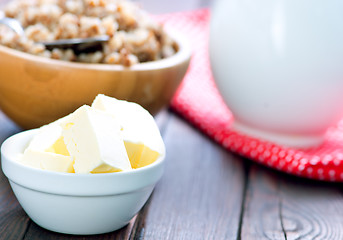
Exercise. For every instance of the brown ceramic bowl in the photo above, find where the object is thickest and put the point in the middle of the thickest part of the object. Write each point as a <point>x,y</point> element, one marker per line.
<point>36,90</point>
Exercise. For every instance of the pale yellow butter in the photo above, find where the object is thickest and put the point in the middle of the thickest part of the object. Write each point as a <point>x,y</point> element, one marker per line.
<point>110,136</point>
<point>43,152</point>
<point>140,155</point>
<point>59,147</point>
<point>93,139</point>
<point>141,135</point>
<point>48,161</point>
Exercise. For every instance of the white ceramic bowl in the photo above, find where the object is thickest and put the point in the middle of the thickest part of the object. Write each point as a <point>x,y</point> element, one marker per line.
<point>74,203</point>
<point>278,66</point>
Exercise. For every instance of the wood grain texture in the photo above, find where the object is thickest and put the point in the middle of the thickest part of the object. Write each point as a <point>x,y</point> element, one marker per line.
<point>200,194</point>
<point>7,127</point>
<point>310,209</point>
<point>13,220</point>
<point>279,206</point>
<point>35,232</point>
<point>261,217</point>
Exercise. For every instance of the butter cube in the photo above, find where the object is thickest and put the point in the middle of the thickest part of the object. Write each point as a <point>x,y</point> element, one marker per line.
<point>141,135</point>
<point>46,137</point>
<point>59,147</point>
<point>43,152</point>
<point>48,161</point>
<point>140,155</point>
<point>94,140</point>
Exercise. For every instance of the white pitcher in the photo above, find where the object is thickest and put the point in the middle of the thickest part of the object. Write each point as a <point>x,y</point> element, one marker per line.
<point>279,66</point>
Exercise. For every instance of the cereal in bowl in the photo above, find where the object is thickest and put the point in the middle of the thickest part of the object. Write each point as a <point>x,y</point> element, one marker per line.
<point>134,36</point>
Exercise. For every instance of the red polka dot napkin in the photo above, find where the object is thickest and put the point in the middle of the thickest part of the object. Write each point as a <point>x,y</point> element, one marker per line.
<point>198,101</point>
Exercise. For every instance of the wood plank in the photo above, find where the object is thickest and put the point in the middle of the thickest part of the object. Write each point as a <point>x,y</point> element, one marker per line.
<point>7,127</point>
<point>279,206</point>
<point>261,215</point>
<point>36,232</point>
<point>311,209</point>
<point>200,194</point>
<point>13,220</point>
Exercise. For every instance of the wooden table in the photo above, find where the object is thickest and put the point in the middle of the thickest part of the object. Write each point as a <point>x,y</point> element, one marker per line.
<point>206,193</point>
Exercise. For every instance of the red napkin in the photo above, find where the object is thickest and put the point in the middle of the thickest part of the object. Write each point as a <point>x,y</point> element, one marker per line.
<point>198,101</point>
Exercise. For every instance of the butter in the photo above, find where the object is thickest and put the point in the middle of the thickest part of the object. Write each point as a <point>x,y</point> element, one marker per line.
<point>111,136</point>
<point>141,135</point>
<point>140,155</point>
<point>48,161</point>
<point>59,147</point>
<point>94,140</point>
<point>43,152</point>
<point>46,137</point>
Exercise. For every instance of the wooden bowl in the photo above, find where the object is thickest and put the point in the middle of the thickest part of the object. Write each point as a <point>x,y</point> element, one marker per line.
<point>36,90</point>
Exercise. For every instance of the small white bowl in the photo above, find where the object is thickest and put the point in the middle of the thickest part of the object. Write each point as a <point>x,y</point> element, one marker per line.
<point>77,203</point>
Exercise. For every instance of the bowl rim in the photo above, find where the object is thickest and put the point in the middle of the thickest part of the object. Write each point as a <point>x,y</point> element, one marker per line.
<point>9,163</point>
<point>183,54</point>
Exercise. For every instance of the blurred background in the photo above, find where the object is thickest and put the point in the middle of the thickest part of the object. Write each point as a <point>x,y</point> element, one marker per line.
<point>165,6</point>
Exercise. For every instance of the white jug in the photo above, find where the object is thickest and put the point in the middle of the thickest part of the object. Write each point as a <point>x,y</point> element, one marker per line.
<point>279,66</point>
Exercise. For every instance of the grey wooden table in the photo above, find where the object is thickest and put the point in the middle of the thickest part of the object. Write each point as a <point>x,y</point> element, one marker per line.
<point>206,193</point>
